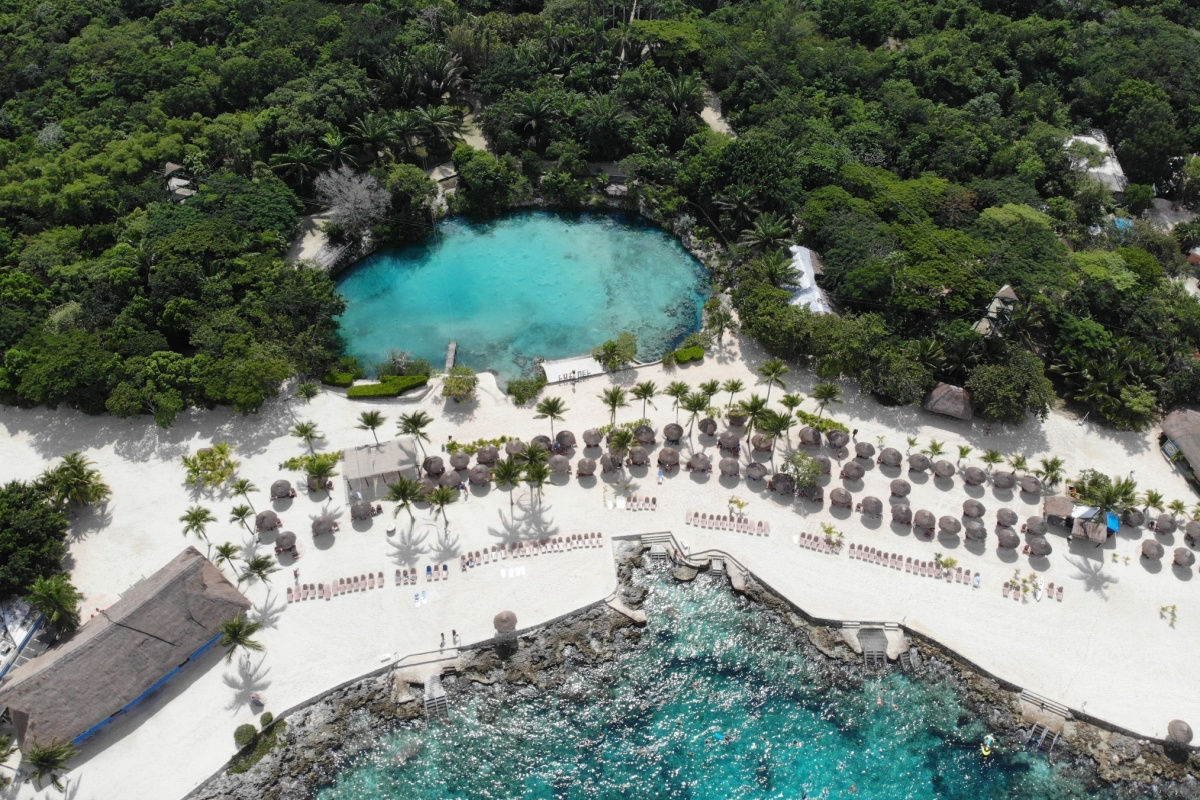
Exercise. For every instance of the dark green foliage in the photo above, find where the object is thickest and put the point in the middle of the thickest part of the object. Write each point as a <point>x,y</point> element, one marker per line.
<point>389,386</point>
<point>265,719</point>
<point>688,354</point>
<point>244,734</point>
<point>32,539</point>
<point>526,388</point>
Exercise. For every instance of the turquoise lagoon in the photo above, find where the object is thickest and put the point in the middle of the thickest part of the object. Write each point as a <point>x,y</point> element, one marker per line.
<point>527,285</point>
<point>718,701</point>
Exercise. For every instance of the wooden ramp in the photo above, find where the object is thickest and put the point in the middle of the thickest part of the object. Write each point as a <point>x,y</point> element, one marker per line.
<point>436,702</point>
<point>874,647</point>
<point>451,354</point>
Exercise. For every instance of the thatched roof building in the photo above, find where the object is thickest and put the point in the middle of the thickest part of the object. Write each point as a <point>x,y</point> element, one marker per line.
<point>160,624</point>
<point>1182,427</point>
<point>952,401</point>
<point>371,467</point>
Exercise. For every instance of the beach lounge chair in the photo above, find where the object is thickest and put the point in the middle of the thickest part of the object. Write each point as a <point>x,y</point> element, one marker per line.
<point>445,571</point>
<point>654,504</point>
<point>362,581</point>
<point>1058,594</point>
<point>379,580</point>
<point>958,574</point>
<point>428,572</point>
<point>1007,588</point>
<point>976,581</point>
<point>290,597</point>
<point>328,591</point>
<point>398,576</point>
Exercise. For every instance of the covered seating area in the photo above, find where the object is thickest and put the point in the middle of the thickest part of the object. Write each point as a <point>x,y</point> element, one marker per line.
<point>368,469</point>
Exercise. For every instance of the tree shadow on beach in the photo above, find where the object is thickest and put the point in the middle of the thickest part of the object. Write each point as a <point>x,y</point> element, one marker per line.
<point>447,548</point>
<point>246,680</point>
<point>409,546</point>
<point>269,611</point>
<point>1092,574</point>
<point>526,522</point>
<point>89,520</point>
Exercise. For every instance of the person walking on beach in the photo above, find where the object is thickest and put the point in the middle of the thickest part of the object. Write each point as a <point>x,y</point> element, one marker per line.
<point>443,647</point>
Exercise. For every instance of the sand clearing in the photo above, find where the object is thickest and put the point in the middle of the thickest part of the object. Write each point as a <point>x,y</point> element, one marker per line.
<point>1086,651</point>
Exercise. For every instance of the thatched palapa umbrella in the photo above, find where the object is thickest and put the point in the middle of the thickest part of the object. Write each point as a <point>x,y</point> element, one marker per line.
<point>864,450</point>
<point>639,456</point>
<point>783,483</point>
<point>943,469</point>
<point>428,484</point>
<point>322,525</point>
<point>900,487</point>
<point>608,463</point>
<point>1191,533</point>
<point>560,464</point>
<point>459,460</point>
<point>1184,557</point>
<point>361,510</point>
<point>542,441</point>
<point>673,431</point>
<point>480,475</point>
<point>1007,517</point>
<point>1004,480</point>
<point>514,446</point>
<point>1152,549</point>
<point>729,441</point>
<point>285,541</point>
<point>902,514</point>
<point>266,521</point>
<point>668,457</point>
<point>699,463</point>
<point>872,506</point>
<point>825,464</point>
<point>644,434</point>
<point>449,479</point>
<point>852,471</point>
<point>281,489</point>
<point>837,439</point>
<point>972,508</point>
<point>974,529</point>
<point>1036,526</point>
<point>756,471</point>
<point>890,457</point>
<point>707,426</point>
<point>810,436</point>
<point>762,443</point>
<point>924,520</point>
<point>505,622</point>
<point>1030,484</point>
<point>1133,517</point>
<point>950,525</point>
<point>840,497</point>
<point>736,419</point>
<point>592,437</point>
<point>433,466</point>
<point>730,467</point>
<point>1165,524</point>
<point>585,468</point>
<point>1007,538</point>
<point>974,476</point>
<point>487,455</point>
<point>1039,546</point>
<point>918,462</point>
<point>1179,732</point>
<point>564,439</point>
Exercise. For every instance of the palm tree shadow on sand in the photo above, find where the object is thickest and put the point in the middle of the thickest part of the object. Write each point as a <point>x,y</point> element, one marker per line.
<point>1093,576</point>
<point>447,547</point>
<point>409,547</point>
<point>248,680</point>
<point>526,523</point>
<point>269,610</point>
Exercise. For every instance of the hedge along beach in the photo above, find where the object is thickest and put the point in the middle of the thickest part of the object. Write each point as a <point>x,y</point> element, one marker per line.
<point>1063,651</point>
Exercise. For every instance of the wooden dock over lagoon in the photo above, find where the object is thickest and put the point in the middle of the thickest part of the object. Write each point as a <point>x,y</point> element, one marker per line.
<point>451,353</point>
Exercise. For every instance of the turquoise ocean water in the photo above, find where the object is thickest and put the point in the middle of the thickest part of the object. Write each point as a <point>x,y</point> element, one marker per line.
<point>645,725</point>
<point>530,284</point>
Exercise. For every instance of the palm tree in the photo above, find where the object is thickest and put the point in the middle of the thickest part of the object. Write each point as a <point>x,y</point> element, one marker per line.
<point>58,601</point>
<point>74,481</point>
<point>774,424</point>
<point>533,114</point>
<point>439,498</point>
<point>718,321</point>
<point>319,471</point>
<point>733,386</point>
<point>226,553</point>
<point>334,149</point>
<point>1050,470</point>
<point>375,131</point>
<point>769,231</point>
<point>991,458</point>
<point>536,475</point>
<point>369,421</point>
<point>238,634</point>
<point>307,390</point>
<point>307,432</point>
<point>709,389</point>
<point>695,403</point>
<point>1177,507</point>
<point>440,127</point>
<point>753,407</point>
<point>243,487</point>
<point>619,445</point>
<point>826,394</point>
<point>676,390</point>
<point>776,268</point>
<point>259,567</point>
<point>964,450</point>
<point>935,448</point>
<point>242,513</point>
<point>911,441</point>
<point>614,398</point>
<point>551,408</point>
<point>47,760</point>
<point>300,162</point>
<point>772,372</point>
<point>530,453</point>
<point>507,473</point>
<point>1106,494</point>
<point>404,492</point>
<point>1018,462</point>
<point>414,425</point>
<point>791,401</point>
<point>602,119</point>
<point>196,520</point>
<point>644,391</point>
<point>1153,499</point>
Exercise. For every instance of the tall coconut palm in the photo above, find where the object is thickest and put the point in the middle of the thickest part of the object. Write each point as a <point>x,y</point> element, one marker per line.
<point>226,553</point>
<point>1018,462</point>
<point>1107,494</point>
<point>1177,507</point>
<point>619,445</point>
<point>439,498</point>
<point>551,408</point>
<point>771,372</point>
<point>533,114</point>
<point>238,634</point>
<point>614,398</point>
<point>536,475</point>
<point>695,403</point>
<point>964,450</point>
<point>259,567</point>
<point>935,448</point>
<point>753,407</point>
<point>644,391</point>
<point>47,760</point>
<point>300,163</point>
<point>319,470</point>
<point>334,149</point>
<point>196,520</point>
<point>370,421</point>
<point>709,389</point>
<point>733,386</point>
<point>774,424</point>
<point>74,481</point>
<point>991,458</point>
<point>530,453</point>
<point>769,232</point>
<point>375,133</point>
<point>404,492</point>
<point>1050,470</point>
<point>507,473</point>
<point>826,394</point>
<point>242,513</point>
<point>58,601</point>
<point>777,269</point>
<point>414,424</point>
<point>307,432</point>
<point>440,127</point>
<point>243,487</point>
<point>676,390</point>
<point>1153,499</point>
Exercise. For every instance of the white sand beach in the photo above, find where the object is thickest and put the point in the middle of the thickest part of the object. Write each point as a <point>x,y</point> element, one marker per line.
<point>1088,651</point>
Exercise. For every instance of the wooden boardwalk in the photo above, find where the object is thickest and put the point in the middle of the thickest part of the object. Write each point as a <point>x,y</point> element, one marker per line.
<point>451,354</point>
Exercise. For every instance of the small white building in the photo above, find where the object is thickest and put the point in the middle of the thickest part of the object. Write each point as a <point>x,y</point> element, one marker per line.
<point>1108,171</point>
<point>806,265</point>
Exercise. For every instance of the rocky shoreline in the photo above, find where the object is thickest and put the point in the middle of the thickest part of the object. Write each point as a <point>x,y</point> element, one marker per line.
<point>325,734</point>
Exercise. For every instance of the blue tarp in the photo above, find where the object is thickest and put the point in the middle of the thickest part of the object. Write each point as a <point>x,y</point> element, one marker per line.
<point>1114,524</point>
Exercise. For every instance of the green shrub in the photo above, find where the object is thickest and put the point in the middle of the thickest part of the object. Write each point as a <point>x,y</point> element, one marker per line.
<point>342,379</point>
<point>668,360</point>
<point>523,390</point>
<point>688,354</point>
<point>266,719</point>
<point>262,745</point>
<point>388,387</point>
<point>244,735</point>
<point>345,372</point>
<point>823,424</point>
